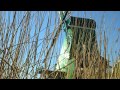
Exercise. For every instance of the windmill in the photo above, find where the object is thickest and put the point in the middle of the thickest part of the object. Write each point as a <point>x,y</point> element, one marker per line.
<point>73,27</point>
<point>77,30</point>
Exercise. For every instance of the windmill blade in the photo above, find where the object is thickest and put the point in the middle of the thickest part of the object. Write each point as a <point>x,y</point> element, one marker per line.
<point>63,14</point>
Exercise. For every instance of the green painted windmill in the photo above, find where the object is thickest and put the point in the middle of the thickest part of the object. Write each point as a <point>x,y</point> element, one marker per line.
<point>72,26</point>
<point>76,30</point>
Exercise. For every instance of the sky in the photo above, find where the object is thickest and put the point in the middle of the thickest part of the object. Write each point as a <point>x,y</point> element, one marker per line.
<point>111,25</point>
<point>106,21</point>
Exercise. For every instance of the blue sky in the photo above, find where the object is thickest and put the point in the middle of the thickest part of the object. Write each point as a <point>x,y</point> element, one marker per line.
<point>108,21</point>
<point>110,24</point>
